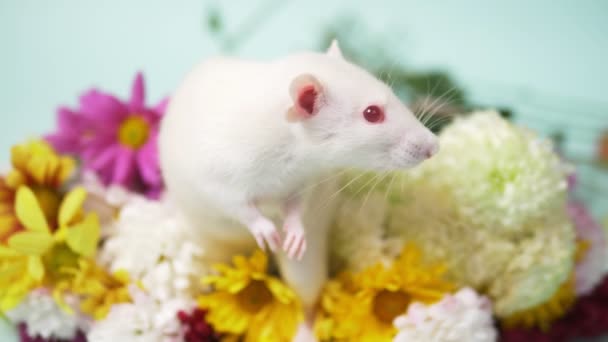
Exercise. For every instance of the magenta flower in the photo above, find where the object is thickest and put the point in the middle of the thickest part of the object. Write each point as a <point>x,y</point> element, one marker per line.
<point>117,140</point>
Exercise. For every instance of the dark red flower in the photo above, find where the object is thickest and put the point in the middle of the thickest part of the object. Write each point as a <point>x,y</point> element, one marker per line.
<point>24,337</point>
<point>196,327</point>
<point>588,318</point>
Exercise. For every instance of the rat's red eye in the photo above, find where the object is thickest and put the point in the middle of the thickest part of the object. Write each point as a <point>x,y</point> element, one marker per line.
<point>373,114</point>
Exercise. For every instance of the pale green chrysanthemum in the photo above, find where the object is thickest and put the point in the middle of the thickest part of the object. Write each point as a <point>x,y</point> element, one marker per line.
<point>490,205</point>
<point>502,175</point>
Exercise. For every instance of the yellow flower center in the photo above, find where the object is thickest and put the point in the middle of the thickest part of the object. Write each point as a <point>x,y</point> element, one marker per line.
<point>254,296</point>
<point>60,257</point>
<point>389,304</point>
<point>49,201</point>
<point>133,132</point>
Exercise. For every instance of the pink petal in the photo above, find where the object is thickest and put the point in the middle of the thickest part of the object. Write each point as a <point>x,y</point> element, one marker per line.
<point>105,157</point>
<point>161,107</point>
<point>70,130</point>
<point>123,167</point>
<point>138,92</point>
<point>103,109</point>
<point>147,162</point>
<point>69,121</point>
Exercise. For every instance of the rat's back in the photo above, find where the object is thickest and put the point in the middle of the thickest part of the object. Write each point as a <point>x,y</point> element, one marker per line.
<point>216,122</point>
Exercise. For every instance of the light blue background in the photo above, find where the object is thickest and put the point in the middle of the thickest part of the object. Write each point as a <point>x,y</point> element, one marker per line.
<point>547,59</point>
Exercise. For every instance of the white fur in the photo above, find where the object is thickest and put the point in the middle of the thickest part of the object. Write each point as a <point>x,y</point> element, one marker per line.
<point>225,142</point>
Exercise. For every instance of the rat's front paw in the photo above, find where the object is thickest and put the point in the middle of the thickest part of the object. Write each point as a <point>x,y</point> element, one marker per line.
<point>295,240</point>
<point>264,230</point>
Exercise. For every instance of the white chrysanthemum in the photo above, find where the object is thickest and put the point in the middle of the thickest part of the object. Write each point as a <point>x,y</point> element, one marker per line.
<point>464,316</point>
<point>45,318</point>
<point>106,201</point>
<point>155,245</point>
<point>590,270</point>
<point>519,262</point>
<point>502,175</point>
<point>144,320</point>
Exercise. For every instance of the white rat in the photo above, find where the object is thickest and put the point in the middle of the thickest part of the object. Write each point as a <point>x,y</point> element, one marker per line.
<point>239,132</point>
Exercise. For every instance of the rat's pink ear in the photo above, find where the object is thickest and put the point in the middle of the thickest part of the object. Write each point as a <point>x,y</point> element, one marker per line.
<point>306,93</point>
<point>334,50</point>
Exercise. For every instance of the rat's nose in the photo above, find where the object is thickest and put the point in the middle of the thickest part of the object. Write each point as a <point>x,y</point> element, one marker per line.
<point>431,150</point>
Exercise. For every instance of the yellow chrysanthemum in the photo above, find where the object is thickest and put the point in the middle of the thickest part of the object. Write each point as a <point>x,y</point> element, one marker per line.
<point>99,289</point>
<point>37,166</point>
<point>542,316</point>
<point>35,244</point>
<point>248,301</point>
<point>362,307</point>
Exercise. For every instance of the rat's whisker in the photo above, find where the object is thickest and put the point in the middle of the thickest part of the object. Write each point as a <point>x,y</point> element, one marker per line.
<point>367,183</point>
<point>371,190</point>
<point>433,108</point>
<point>429,96</point>
<point>327,179</point>
<point>324,203</point>
<point>440,120</point>
<point>430,123</point>
<point>440,98</point>
<point>388,188</point>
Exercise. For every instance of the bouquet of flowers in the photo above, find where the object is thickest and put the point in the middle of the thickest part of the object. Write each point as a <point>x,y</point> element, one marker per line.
<point>485,241</point>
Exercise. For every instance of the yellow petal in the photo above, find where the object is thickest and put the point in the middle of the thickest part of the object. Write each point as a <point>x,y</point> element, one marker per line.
<point>58,296</point>
<point>29,212</point>
<point>35,268</point>
<point>84,236</point>
<point>30,243</point>
<point>15,179</point>
<point>8,223</point>
<point>9,302</point>
<point>38,167</point>
<point>71,205</point>
<point>66,168</point>
<point>7,252</point>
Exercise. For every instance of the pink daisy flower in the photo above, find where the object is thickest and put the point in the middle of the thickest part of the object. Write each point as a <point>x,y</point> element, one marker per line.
<point>590,269</point>
<point>117,140</point>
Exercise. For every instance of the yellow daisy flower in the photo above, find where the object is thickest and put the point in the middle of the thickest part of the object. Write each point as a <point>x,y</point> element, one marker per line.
<point>38,166</point>
<point>248,301</point>
<point>28,254</point>
<point>362,307</point>
<point>99,289</point>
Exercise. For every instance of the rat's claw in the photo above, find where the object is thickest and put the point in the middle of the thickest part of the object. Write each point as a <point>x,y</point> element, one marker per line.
<point>302,249</point>
<point>264,230</point>
<point>259,239</point>
<point>273,239</point>
<point>294,242</point>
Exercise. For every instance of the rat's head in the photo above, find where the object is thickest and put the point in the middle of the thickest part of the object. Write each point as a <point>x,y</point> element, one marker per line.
<point>355,119</point>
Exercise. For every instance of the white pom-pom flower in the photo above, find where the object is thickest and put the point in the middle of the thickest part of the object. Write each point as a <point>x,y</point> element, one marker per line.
<point>152,241</point>
<point>106,201</point>
<point>144,320</point>
<point>464,316</point>
<point>44,318</point>
<point>502,176</point>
